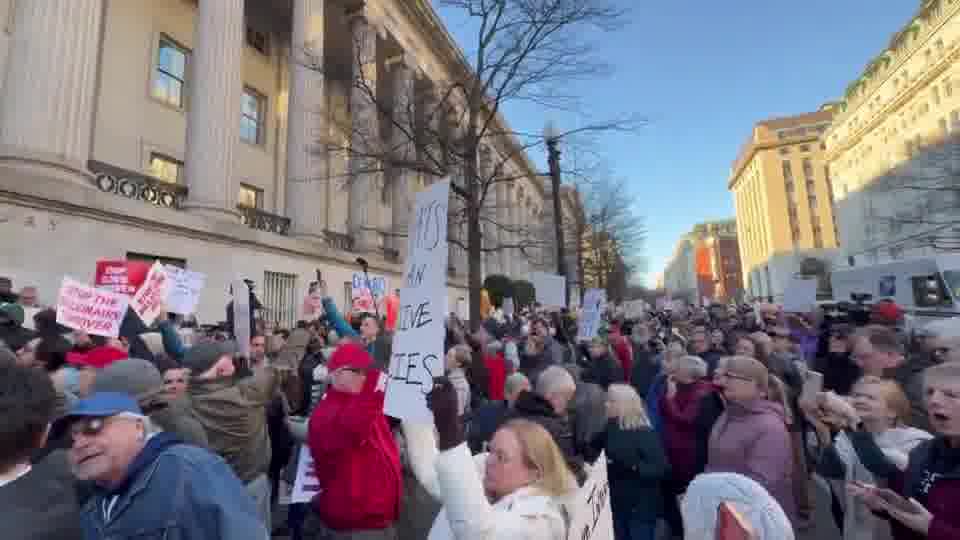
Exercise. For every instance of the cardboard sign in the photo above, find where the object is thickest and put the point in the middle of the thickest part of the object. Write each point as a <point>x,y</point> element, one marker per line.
<point>366,293</point>
<point>508,308</point>
<point>551,289</point>
<point>800,296</point>
<point>306,485</point>
<point>594,302</point>
<point>149,300</point>
<point>184,293</point>
<point>91,310</point>
<point>241,316</point>
<point>119,276</point>
<point>731,525</point>
<point>418,354</point>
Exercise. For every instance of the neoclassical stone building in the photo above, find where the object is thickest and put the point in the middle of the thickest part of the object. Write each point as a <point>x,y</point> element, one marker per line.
<point>193,132</point>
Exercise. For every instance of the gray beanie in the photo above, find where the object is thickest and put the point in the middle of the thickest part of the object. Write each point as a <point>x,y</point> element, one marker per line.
<point>132,376</point>
<point>751,500</point>
<point>202,356</point>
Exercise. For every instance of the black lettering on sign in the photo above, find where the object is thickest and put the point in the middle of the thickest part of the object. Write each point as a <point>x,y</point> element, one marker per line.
<point>428,375</point>
<point>414,316</point>
<point>430,231</point>
<point>414,369</point>
<point>415,276</point>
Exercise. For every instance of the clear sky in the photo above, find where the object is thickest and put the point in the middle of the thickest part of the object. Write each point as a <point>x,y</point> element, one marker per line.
<point>702,73</point>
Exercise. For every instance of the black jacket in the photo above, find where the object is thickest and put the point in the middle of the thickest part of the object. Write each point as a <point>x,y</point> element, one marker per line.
<point>42,505</point>
<point>482,422</point>
<point>636,465</point>
<point>603,371</point>
<point>530,406</point>
<point>645,369</point>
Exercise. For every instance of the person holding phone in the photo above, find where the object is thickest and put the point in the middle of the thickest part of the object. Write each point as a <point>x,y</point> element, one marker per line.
<point>881,409</point>
<point>921,501</point>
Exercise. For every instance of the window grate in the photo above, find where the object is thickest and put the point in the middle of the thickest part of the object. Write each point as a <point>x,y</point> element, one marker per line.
<point>280,298</point>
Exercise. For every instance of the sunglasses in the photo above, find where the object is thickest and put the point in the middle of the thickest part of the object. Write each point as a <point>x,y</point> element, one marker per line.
<point>90,427</point>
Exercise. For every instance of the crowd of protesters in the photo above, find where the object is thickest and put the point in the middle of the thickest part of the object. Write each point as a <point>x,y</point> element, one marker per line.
<point>167,432</point>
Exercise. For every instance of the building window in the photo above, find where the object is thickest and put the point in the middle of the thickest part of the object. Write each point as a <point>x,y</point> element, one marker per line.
<point>947,87</point>
<point>150,258</point>
<point>252,115</point>
<point>943,126</point>
<point>807,168</point>
<point>804,147</point>
<point>789,185</point>
<point>954,119</point>
<point>171,73</point>
<point>784,150</point>
<point>935,94</point>
<point>787,171</point>
<point>280,298</point>
<point>258,41</point>
<point>250,197</point>
<point>812,201</point>
<point>817,238</point>
<point>165,168</point>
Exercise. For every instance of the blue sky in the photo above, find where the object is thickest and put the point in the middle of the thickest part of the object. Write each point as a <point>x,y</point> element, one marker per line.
<point>702,73</point>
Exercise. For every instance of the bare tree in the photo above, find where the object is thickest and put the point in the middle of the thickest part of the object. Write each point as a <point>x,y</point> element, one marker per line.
<point>523,50</point>
<point>917,203</point>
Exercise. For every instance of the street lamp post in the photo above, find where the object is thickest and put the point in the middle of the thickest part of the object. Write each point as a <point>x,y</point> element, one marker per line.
<point>553,157</point>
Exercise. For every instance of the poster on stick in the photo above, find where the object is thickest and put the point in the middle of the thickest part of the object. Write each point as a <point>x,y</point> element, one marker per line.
<point>150,298</point>
<point>185,286</point>
<point>594,302</point>
<point>120,276</point>
<point>91,310</point>
<point>551,289</point>
<point>418,354</point>
<point>366,291</point>
<point>305,485</point>
<point>800,295</point>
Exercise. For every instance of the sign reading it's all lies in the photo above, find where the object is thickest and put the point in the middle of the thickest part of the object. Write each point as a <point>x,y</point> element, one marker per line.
<point>418,341</point>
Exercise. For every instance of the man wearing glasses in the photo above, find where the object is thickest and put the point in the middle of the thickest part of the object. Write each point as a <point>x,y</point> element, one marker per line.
<point>148,482</point>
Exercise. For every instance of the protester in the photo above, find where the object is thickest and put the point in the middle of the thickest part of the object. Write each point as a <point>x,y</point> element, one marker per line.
<point>147,480</point>
<point>483,422</point>
<point>12,331</point>
<point>37,499</point>
<point>457,358</point>
<point>636,465</point>
<point>234,414</point>
<point>377,344</point>
<point>602,367</point>
<point>355,456</point>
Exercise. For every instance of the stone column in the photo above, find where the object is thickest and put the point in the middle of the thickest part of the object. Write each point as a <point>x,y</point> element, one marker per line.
<point>46,116</point>
<point>402,178</point>
<point>307,158</point>
<point>363,169</point>
<point>213,117</point>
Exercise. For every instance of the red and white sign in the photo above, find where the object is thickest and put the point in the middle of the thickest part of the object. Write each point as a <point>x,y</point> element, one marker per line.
<point>149,299</point>
<point>89,309</point>
<point>120,276</point>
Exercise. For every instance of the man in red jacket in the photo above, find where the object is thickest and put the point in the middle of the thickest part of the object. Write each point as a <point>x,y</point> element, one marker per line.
<point>622,349</point>
<point>355,456</point>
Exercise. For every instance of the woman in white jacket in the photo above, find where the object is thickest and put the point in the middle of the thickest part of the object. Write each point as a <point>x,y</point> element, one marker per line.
<point>515,491</point>
<point>881,407</point>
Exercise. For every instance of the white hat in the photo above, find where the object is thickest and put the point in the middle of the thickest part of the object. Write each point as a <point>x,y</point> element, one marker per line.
<point>750,499</point>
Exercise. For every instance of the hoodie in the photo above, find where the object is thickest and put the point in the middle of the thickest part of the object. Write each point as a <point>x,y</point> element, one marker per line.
<point>749,499</point>
<point>752,439</point>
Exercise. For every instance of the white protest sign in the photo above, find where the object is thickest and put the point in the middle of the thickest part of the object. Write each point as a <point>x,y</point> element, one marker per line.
<point>366,290</point>
<point>94,311</point>
<point>589,509</point>
<point>594,302</point>
<point>185,287</point>
<point>551,289</point>
<point>241,316</point>
<point>306,485</point>
<point>800,295</point>
<point>591,517</point>
<point>508,307</point>
<point>148,301</point>
<point>418,341</point>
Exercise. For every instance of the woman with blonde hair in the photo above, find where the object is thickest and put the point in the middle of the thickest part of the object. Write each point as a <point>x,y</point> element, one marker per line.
<point>516,490</point>
<point>751,437</point>
<point>636,464</point>
<point>881,409</point>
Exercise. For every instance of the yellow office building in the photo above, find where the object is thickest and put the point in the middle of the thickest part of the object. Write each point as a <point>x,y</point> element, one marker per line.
<point>781,192</point>
<point>892,146</point>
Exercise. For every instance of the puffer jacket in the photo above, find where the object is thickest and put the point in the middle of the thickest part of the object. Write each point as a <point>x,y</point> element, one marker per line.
<point>174,490</point>
<point>752,439</point>
<point>234,415</point>
<point>356,459</point>
<point>456,478</point>
<point>530,406</point>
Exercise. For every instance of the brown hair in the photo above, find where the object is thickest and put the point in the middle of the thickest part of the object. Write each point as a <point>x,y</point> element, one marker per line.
<point>882,339</point>
<point>893,395</point>
<point>769,383</point>
<point>541,454</point>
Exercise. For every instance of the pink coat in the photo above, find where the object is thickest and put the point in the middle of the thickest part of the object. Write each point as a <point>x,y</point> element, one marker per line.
<point>752,439</point>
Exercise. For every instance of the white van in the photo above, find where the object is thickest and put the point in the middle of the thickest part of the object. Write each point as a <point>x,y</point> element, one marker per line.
<point>925,286</point>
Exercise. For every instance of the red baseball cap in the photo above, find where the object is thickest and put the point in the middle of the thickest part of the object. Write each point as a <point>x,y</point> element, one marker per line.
<point>350,355</point>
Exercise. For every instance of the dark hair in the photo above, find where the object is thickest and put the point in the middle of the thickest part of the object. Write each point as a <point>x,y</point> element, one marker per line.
<point>27,404</point>
<point>882,339</point>
<point>52,352</point>
<point>282,332</point>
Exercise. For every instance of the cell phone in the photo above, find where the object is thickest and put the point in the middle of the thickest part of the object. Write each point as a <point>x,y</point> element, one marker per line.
<point>812,385</point>
<point>894,499</point>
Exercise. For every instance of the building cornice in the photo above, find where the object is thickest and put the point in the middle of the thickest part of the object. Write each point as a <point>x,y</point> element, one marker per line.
<point>754,147</point>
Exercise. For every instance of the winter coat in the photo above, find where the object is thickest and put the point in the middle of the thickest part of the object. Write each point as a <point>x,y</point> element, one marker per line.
<point>356,459</point>
<point>748,498</point>
<point>657,390</point>
<point>459,380</point>
<point>603,371</point>
<point>859,523</point>
<point>636,465</point>
<point>483,422</point>
<point>41,505</point>
<point>752,439</point>
<point>174,491</point>
<point>680,430</point>
<point>624,353</point>
<point>496,373</point>
<point>645,369</point>
<point>839,372</point>
<point>532,407</point>
<point>532,365</point>
<point>177,417</point>
<point>234,415</point>
<point>588,418</point>
<point>456,479</point>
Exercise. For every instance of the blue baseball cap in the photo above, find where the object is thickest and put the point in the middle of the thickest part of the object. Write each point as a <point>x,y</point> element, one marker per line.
<point>102,404</point>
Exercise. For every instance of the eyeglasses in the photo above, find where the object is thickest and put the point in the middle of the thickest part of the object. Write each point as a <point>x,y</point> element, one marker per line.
<point>90,427</point>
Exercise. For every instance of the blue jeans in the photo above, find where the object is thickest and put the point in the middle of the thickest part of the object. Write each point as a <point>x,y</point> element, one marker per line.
<point>629,526</point>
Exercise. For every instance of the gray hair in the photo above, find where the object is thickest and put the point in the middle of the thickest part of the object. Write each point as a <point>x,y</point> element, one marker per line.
<point>514,382</point>
<point>691,365</point>
<point>555,379</point>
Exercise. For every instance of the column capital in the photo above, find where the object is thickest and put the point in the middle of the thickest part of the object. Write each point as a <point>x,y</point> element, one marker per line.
<point>403,61</point>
